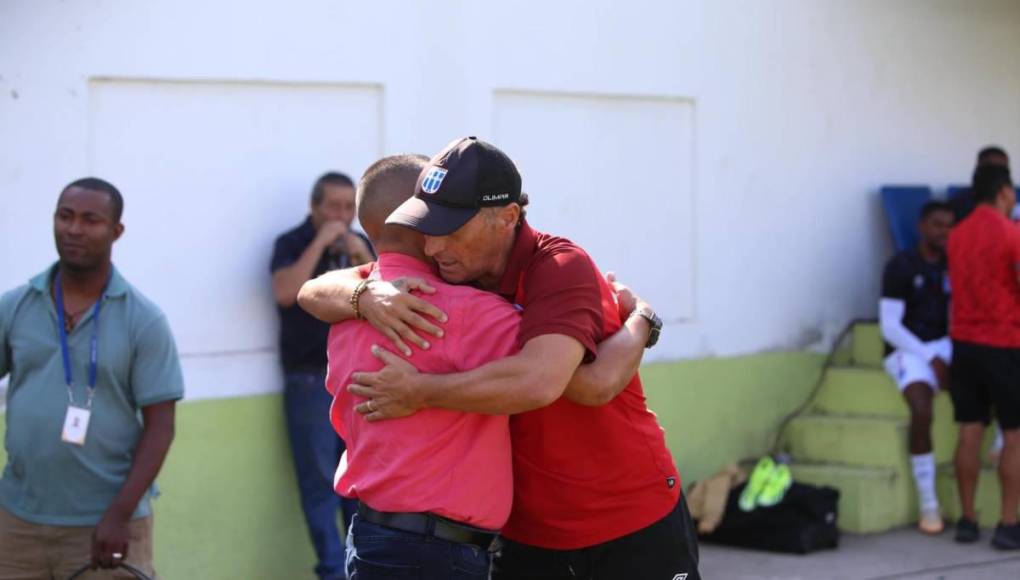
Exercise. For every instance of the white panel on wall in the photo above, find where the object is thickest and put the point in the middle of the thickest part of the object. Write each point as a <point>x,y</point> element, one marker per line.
<point>211,173</point>
<point>615,174</point>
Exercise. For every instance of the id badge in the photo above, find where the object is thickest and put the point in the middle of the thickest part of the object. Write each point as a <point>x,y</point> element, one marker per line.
<point>76,424</point>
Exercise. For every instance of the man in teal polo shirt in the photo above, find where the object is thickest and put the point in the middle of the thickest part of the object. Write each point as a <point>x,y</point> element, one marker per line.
<point>94,379</point>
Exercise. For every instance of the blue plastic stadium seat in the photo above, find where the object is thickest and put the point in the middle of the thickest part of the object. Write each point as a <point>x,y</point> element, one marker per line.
<point>954,191</point>
<point>903,205</point>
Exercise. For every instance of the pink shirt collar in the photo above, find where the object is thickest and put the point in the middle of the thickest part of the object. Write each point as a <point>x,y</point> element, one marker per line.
<point>395,264</point>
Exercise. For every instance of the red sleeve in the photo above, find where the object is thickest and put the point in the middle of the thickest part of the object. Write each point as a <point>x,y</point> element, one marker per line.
<point>562,296</point>
<point>1014,250</point>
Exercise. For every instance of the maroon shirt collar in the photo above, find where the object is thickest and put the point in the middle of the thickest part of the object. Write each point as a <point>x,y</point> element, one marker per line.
<point>524,248</point>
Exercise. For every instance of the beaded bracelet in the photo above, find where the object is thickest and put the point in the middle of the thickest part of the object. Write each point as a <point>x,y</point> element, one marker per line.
<point>361,287</point>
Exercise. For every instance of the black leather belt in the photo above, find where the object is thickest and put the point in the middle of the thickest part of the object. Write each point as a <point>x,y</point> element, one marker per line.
<point>428,524</point>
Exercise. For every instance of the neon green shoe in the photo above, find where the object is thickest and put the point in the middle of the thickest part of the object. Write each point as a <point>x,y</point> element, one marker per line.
<point>760,477</point>
<point>776,487</point>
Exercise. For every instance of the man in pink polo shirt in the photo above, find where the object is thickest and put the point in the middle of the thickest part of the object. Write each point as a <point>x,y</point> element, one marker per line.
<point>433,488</point>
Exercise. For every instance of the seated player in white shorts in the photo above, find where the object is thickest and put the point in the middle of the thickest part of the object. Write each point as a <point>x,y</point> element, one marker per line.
<point>914,317</point>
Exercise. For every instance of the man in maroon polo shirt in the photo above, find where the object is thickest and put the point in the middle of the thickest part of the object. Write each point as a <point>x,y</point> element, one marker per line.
<point>596,493</point>
<point>984,269</point>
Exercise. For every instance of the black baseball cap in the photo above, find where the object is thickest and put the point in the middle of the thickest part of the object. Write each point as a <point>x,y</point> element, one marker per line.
<point>460,180</point>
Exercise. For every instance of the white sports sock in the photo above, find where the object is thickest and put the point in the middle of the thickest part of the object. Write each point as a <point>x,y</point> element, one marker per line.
<point>924,477</point>
<point>997,443</point>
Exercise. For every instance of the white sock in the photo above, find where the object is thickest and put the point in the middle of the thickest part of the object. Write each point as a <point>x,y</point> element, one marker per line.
<point>924,477</point>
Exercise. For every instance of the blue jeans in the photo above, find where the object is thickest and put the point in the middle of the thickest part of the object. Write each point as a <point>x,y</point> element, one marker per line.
<point>316,449</point>
<point>376,552</point>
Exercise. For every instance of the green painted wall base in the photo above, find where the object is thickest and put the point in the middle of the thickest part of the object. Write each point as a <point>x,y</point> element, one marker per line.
<point>230,507</point>
<point>719,411</point>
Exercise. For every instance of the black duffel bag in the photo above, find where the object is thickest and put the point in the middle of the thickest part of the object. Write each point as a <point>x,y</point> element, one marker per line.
<point>805,521</point>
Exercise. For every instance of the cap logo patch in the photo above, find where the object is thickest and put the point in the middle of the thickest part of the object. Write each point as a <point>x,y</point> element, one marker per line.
<point>433,179</point>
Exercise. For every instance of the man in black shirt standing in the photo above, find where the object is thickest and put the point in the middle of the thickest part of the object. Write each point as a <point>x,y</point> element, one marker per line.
<point>914,317</point>
<point>323,242</point>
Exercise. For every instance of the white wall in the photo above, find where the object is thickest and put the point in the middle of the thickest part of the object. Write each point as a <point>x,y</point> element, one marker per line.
<point>744,141</point>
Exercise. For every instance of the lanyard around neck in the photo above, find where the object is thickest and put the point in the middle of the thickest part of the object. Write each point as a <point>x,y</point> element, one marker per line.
<point>93,344</point>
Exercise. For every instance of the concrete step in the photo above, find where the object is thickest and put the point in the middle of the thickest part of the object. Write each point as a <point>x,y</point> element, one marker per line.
<point>868,349</point>
<point>987,502</point>
<point>867,459</point>
<point>848,440</point>
<point>865,441</point>
<point>861,391</point>
<point>872,499</point>
<point>877,499</point>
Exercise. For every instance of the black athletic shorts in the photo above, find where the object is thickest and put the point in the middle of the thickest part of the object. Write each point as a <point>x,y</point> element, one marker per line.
<point>665,550</point>
<point>983,377</point>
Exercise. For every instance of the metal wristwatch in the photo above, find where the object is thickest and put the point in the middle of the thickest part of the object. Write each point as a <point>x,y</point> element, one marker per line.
<point>654,323</point>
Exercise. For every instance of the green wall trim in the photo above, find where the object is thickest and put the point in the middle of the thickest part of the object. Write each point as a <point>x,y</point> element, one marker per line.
<point>230,509</point>
<point>720,410</point>
<point>229,506</point>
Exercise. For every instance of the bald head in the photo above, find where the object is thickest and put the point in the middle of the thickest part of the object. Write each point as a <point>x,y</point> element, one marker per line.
<point>386,184</point>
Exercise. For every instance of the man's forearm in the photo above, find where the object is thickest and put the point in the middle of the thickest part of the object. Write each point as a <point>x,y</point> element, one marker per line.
<point>531,379</point>
<point>152,448</point>
<point>503,387</point>
<point>890,321</point>
<point>619,358</point>
<point>287,281</point>
<point>328,297</point>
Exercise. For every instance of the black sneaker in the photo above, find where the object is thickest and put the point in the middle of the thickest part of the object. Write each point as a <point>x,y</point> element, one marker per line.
<point>1007,537</point>
<point>967,531</point>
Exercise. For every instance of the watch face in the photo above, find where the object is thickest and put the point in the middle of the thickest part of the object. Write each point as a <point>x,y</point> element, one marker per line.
<point>656,327</point>
<point>656,321</point>
<point>653,336</point>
